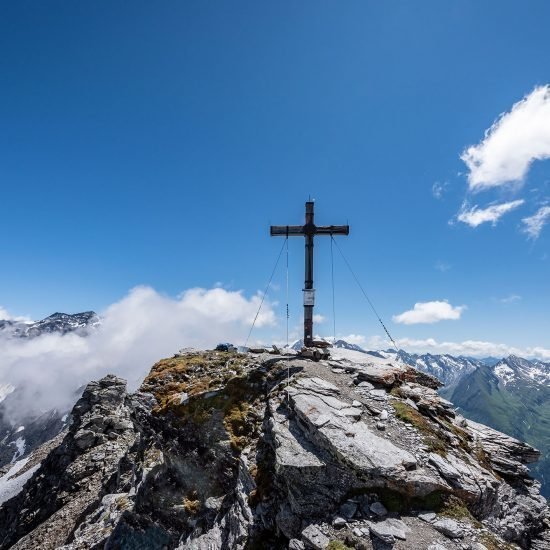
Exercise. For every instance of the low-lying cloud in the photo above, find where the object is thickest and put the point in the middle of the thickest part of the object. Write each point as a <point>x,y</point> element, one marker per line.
<point>135,332</point>
<point>512,144</point>
<point>429,312</point>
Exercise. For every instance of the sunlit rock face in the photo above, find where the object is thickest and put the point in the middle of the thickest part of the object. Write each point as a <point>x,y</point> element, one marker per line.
<point>223,450</point>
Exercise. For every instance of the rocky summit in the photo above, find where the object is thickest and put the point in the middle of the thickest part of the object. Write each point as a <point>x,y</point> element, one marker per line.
<point>222,450</point>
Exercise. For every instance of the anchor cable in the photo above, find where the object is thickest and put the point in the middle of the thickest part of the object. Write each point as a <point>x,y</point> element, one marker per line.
<point>287,311</point>
<point>333,300</point>
<point>366,296</point>
<point>265,292</point>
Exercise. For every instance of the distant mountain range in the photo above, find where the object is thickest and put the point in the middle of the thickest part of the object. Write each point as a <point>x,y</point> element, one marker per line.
<point>18,440</point>
<point>57,323</point>
<point>513,396</point>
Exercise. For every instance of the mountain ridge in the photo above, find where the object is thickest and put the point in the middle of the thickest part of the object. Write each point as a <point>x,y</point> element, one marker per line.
<point>223,450</point>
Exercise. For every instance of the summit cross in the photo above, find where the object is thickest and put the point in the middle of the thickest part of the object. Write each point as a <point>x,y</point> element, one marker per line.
<point>308,230</point>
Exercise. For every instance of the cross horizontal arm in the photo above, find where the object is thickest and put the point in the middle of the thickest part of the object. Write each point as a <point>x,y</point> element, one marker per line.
<point>332,230</point>
<point>290,230</point>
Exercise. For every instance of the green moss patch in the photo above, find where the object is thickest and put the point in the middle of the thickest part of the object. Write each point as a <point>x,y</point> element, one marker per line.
<point>337,545</point>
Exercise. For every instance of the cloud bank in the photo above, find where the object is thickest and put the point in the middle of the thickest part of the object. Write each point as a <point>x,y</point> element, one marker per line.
<point>513,142</point>
<point>429,312</point>
<point>471,348</point>
<point>136,332</point>
<point>533,225</point>
<point>476,216</point>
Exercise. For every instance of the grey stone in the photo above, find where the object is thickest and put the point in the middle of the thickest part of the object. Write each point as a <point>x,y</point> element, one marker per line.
<point>443,467</point>
<point>437,546</point>
<point>427,516</point>
<point>449,527</point>
<point>348,509</point>
<point>365,385</point>
<point>389,530</point>
<point>338,522</point>
<point>411,403</point>
<point>295,544</point>
<point>383,415</point>
<point>379,509</point>
<point>84,439</point>
<point>314,537</point>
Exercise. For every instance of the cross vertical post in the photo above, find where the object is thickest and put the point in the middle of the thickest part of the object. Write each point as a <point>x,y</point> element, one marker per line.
<point>308,230</point>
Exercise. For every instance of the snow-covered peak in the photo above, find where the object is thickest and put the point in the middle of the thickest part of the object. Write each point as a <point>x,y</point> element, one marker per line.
<point>56,323</point>
<point>514,369</point>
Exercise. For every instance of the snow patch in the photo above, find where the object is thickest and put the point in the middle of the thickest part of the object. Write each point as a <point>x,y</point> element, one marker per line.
<point>20,445</point>
<point>11,484</point>
<point>5,390</point>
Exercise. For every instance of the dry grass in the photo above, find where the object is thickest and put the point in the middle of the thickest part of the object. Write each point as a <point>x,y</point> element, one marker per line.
<point>432,435</point>
<point>455,508</point>
<point>193,374</point>
<point>192,504</point>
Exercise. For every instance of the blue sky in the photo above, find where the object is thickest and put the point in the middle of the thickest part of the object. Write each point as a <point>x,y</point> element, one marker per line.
<point>154,143</point>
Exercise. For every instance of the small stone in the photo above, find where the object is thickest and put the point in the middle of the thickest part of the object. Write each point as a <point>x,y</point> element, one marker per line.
<point>348,509</point>
<point>338,371</point>
<point>383,415</point>
<point>378,394</point>
<point>338,522</point>
<point>381,426</point>
<point>379,509</point>
<point>84,439</point>
<point>356,403</point>
<point>436,546</point>
<point>449,527</point>
<point>477,546</point>
<point>411,403</point>
<point>358,532</point>
<point>427,516</point>
<point>295,544</point>
<point>365,385</point>
<point>313,536</point>
<point>389,530</point>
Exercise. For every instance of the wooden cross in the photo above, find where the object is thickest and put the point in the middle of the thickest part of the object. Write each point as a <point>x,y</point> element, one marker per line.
<point>309,230</point>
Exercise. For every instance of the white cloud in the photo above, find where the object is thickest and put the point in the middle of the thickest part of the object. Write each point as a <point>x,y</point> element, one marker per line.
<point>510,299</point>
<point>439,188</point>
<point>135,333</point>
<point>429,312</point>
<point>4,314</point>
<point>475,348</point>
<point>472,348</point>
<point>476,216</point>
<point>357,339</point>
<point>513,142</point>
<point>318,318</point>
<point>533,225</point>
<point>442,266</point>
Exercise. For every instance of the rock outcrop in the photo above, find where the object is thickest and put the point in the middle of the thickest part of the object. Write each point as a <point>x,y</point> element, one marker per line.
<point>223,450</point>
